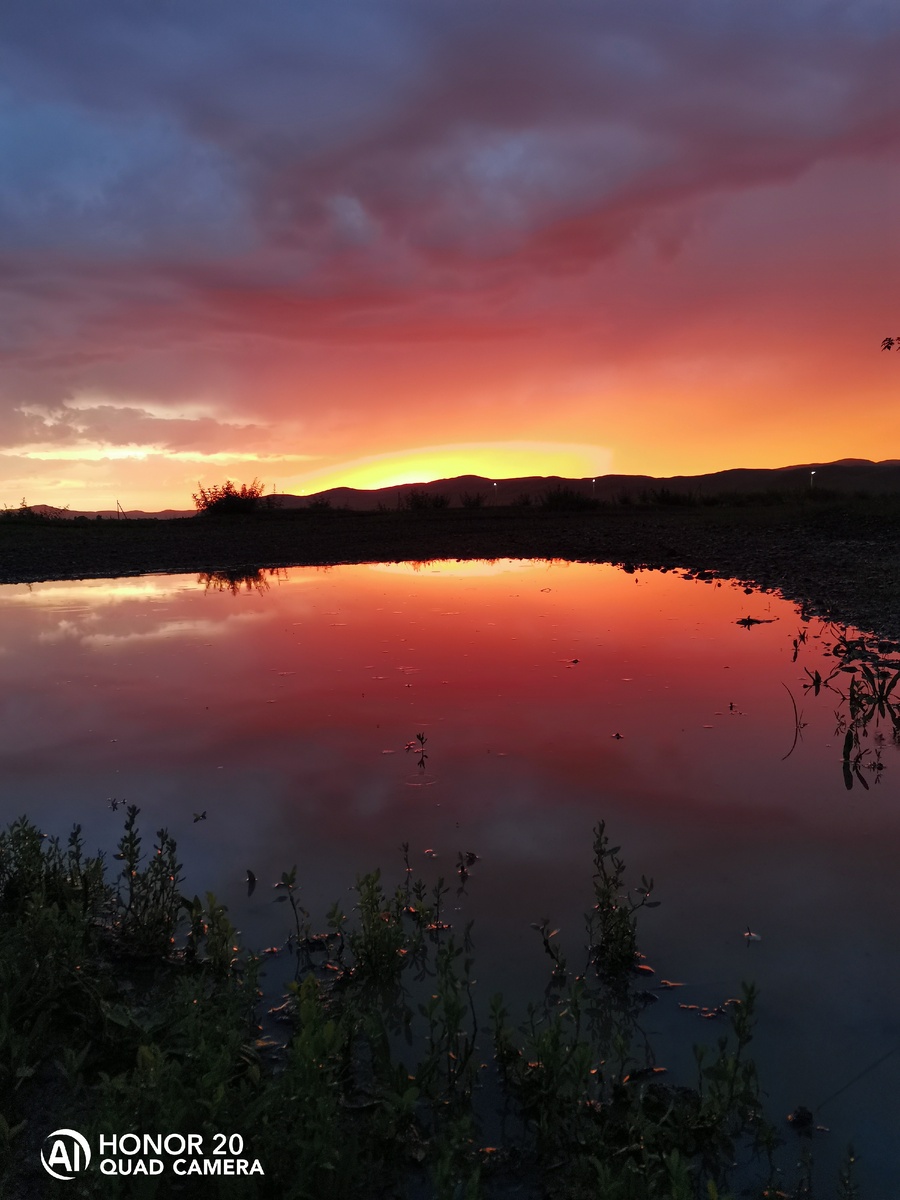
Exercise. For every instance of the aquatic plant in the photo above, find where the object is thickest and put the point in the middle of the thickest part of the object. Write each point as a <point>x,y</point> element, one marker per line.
<point>421,739</point>
<point>125,1005</point>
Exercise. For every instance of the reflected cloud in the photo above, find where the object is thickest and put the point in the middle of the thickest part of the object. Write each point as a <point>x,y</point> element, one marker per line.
<point>171,629</point>
<point>76,631</point>
<point>86,592</point>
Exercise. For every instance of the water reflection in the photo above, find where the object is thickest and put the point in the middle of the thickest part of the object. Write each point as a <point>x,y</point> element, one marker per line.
<point>258,580</point>
<point>863,683</point>
<point>290,712</point>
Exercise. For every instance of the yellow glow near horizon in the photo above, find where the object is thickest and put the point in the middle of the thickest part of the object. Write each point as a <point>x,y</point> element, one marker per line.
<point>491,460</point>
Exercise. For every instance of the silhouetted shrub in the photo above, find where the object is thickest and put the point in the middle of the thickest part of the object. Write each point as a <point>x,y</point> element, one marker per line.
<point>418,500</point>
<point>566,499</point>
<point>225,499</point>
<point>29,516</point>
<point>668,498</point>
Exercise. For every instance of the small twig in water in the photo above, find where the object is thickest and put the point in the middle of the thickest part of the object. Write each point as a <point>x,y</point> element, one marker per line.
<point>798,723</point>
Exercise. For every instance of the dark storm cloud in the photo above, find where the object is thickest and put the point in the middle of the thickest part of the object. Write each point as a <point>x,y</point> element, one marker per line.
<point>181,173</point>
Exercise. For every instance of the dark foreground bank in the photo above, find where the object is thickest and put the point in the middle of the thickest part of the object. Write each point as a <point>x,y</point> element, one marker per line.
<point>837,556</point>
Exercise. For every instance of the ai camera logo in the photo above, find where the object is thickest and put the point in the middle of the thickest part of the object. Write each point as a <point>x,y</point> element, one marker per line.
<point>68,1151</point>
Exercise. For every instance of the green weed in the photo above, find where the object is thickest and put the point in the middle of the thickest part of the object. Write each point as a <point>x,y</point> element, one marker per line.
<point>125,1006</point>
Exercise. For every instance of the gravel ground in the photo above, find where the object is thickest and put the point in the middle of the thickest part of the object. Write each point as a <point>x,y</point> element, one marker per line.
<point>838,559</point>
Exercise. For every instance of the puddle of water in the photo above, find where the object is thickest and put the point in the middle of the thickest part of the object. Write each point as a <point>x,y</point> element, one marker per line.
<point>276,721</point>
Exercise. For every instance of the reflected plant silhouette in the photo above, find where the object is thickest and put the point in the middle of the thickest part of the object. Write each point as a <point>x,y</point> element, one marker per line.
<point>238,580</point>
<point>799,723</point>
<point>870,695</point>
<point>864,679</point>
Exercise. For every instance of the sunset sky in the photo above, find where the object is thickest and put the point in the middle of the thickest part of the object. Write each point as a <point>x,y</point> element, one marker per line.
<point>367,242</point>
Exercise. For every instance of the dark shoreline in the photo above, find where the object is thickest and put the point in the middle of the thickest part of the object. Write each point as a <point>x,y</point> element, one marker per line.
<point>838,558</point>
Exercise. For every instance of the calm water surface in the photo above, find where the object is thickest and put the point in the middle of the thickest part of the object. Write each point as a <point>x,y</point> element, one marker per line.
<point>284,711</point>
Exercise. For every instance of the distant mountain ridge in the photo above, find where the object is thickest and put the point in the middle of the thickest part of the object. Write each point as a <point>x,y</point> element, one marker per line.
<point>845,475</point>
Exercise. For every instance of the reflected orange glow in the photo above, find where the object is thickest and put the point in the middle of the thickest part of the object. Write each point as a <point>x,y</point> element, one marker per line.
<point>548,695</point>
<point>519,661</point>
<point>507,666</point>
